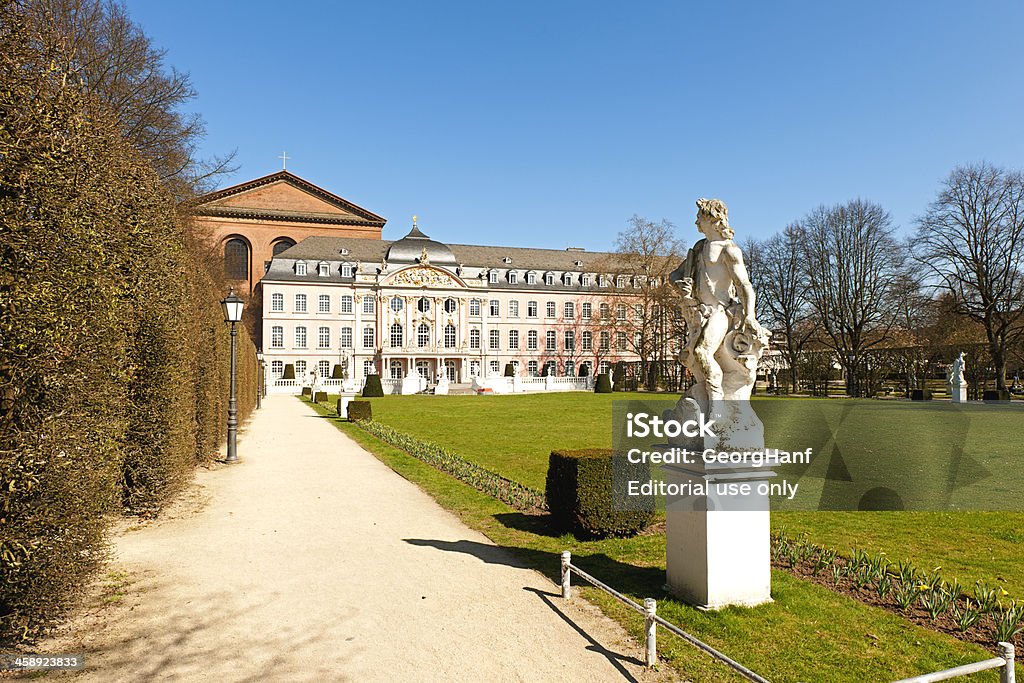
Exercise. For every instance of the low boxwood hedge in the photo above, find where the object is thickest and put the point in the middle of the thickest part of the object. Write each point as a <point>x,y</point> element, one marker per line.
<point>320,397</point>
<point>581,494</point>
<point>307,391</point>
<point>358,410</point>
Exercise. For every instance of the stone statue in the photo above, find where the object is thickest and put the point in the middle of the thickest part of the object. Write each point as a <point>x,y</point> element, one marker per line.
<point>724,341</point>
<point>955,381</point>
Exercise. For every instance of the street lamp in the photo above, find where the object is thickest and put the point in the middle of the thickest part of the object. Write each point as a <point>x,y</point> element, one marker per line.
<point>232,305</point>
<point>259,380</point>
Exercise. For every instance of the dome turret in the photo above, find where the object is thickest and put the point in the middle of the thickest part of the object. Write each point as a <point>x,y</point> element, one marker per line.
<point>418,248</point>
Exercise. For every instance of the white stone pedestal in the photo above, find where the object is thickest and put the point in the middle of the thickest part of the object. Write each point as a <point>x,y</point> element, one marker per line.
<point>958,393</point>
<point>718,547</point>
<point>345,398</point>
<point>441,388</point>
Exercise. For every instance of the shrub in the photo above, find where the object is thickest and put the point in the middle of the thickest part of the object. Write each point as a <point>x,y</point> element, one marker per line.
<point>320,397</point>
<point>545,371</point>
<point>307,391</point>
<point>603,384</point>
<point>619,377</point>
<point>920,395</point>
<point>584,370</point>
<point>289,372</point>
<point>996,395</point>
<point>358,410</point>
<point>510,370</point>
<point>373,387</point>
<point>584,497</point>
<point>337,372</point>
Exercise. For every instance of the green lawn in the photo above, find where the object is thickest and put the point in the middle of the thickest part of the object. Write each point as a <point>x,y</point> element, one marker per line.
<point>809,633</point>
<point>513,435</point>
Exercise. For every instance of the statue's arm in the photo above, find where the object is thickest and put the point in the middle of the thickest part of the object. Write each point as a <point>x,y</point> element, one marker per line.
<point>741,280</point>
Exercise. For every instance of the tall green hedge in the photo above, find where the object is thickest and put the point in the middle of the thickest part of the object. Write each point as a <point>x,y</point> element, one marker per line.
<point>373,387</point>
<point>113,350</point>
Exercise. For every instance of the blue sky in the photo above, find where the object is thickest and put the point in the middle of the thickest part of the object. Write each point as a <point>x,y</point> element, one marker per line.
<point>549,124</point>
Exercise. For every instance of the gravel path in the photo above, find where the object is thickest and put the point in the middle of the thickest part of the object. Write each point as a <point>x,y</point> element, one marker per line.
<point>313,561</point>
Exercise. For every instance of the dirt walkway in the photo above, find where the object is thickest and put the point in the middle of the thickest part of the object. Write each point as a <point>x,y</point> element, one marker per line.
<point>311,560</point>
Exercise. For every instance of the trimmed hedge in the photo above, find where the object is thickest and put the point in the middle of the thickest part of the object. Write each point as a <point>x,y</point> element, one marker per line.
<point>619,377</point>
<point>512,493</point>
<point>320,397</point>
<point>580,496</point>
<point>358,410</point>
<point>996,396</point>
<point>337,372</point>
<point>113,348</point>
<point>510,370</point>
<point>307,391</point>
<point>289,371</point>
<point>603,385</point>
<point>373,388</point>
<point>920,395</point>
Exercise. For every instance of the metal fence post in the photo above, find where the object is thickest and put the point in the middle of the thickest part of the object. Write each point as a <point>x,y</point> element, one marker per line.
<point>566,574</point>
<point>650,610</point>
<point>1007,675</point>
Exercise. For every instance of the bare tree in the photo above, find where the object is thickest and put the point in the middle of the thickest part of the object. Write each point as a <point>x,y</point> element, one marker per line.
<point>128,76</point>
<point>777,271</point>
<point>971,240</point>
<point>852,263</point>
<point>646,253</point>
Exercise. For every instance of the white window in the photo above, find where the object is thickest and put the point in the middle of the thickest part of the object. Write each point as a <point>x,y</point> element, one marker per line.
<point>567,279</point>
<point>323,270</point>
<point>550,368</point>
<point>300,268</point>
<point>397,303</point>
<point>368,304</point>
<point>397,337</point>
<point>277,302</point>
<point>549,278</point>
<point>532,368</point>
<point>531,309</point>
<point>423,335</point>
<point>638,312</point>
<point>346,337</point>
<point>423,305</point>
<point>348,270</point>
<point>570,368</point>
<point>474,307</point>
<point>450,305</point>
<point>323,303</point>
<point>570,340</point>
<point>550,309</point>
<point>513,309</point>
<point>513,340</point>
<point>300,370</point>
<point>620,281</point>
<point>605,341</point>
<point>474,338</point>
<point>396,369</point>
<point>531,278</point>
<point>495,367</point>
<point>638,340</point>
<point>369,368</point>
<point>585,280</point>
<point>323,338</point>
<point>604,311</point>
<point>369,338</point>
<point>277,337</point>
<point>495,308</point>
<point>495,340</point>
<point>323,369</point>
<point>531,340</point>
<point>300,303</point>
<point>587,340</point>
<point>346,303</point>
<point>549,340</point>
<point>492,277</point>
<point>449,336</point>
<point>586,310</point>
<point>300,337</point>
<point>620,311</point>
<point>620,341</point>
<point>513,278</point>
<point>276,368</point>
<point>570,310</point>
<point>604,367</point>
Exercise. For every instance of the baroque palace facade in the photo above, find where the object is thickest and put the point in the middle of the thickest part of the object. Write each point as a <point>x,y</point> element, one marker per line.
<point>341,296</point>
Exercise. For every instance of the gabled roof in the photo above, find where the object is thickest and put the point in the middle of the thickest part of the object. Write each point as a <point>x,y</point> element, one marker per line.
<point>246,200</point>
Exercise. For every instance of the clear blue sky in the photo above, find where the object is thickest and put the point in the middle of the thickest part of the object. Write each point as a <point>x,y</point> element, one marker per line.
<point>549,124</point>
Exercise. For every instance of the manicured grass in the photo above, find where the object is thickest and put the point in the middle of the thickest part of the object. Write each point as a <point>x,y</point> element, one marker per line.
<point>808,633</point>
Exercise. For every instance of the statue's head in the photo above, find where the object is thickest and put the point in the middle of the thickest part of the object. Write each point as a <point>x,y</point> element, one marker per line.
<point>713,214</point>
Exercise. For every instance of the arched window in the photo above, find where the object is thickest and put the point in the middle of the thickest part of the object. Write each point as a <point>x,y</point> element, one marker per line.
<point>236,259</point>
<point>397,339</point>
<point>449,336</point>
<point>423,335</point>
<point>283,245</point>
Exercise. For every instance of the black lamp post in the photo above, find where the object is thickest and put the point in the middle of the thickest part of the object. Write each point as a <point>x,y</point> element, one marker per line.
<point>259,380</point>
<point>232,305</point>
